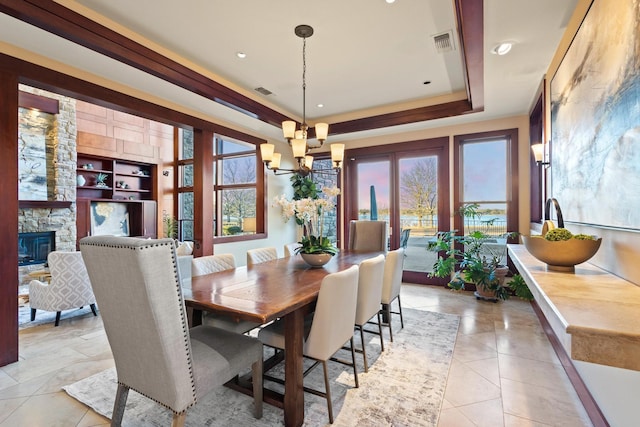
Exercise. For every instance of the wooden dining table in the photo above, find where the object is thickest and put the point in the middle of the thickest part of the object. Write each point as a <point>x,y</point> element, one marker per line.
<point>285,288</point>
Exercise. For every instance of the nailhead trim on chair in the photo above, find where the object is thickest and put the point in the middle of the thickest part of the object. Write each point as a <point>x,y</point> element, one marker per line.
<point>185,327</point>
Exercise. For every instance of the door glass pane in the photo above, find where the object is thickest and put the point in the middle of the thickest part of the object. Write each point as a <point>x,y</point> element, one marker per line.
<point>484,171</point>
<point>485,183</point>
<point>492,221</point>
<point>185,215</point>
<point>330,218</point>
<point>418,210</point>
<point>373,175</point>
<point>186,147</point>
<point>185,175</point>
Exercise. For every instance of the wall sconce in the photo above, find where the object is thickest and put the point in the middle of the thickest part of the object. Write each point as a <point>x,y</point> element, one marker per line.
<point>165,173</point>
<point>539,154</point>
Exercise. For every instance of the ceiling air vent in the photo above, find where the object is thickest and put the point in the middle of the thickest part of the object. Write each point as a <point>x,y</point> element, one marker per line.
<point>443,42</point>
<point>263,91</point>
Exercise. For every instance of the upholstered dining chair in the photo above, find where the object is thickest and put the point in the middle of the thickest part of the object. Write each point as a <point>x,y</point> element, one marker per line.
<point>368,235</point>
<point>391,286</point>
<point>290,249</point>
<point>137,287</point>
<point>258,255</point>
<point>369,296</point>
<point>213,264</point>
<point>329,328</point>
<point>68,288</point>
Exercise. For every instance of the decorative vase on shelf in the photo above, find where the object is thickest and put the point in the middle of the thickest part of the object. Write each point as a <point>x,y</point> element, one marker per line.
<point>81,180</point>
<point>316,260</point>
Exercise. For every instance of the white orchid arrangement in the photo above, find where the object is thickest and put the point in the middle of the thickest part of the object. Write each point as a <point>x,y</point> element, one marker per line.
<point>309,212</point>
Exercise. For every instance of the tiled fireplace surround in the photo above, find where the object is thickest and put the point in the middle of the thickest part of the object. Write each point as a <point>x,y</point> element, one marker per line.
<point>60,135</point>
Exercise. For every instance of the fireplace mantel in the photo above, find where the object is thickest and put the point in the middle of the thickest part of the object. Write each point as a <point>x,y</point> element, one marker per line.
<point>44,204</point>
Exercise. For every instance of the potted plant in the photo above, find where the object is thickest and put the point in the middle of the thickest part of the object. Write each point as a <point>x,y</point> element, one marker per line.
<point>101,180</point>
<point>170,224</point>
<point>562,250</point>
<point>315,247</point>
<point>478,260</point>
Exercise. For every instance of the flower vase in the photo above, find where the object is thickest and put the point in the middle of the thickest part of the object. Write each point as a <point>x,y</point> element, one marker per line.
<point>316,260</point>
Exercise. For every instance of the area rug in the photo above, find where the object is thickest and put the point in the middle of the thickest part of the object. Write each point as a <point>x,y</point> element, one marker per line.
<point>44,317</point>
<point>404,386</point>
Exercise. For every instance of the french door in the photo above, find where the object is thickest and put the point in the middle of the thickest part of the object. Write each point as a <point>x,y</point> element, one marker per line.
<point>406,185</point>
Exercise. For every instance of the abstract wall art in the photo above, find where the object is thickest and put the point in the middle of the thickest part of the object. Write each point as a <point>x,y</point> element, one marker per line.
<point>595,119</point>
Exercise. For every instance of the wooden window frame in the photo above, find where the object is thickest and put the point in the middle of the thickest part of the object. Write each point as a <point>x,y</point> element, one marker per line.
<point>511,135</point>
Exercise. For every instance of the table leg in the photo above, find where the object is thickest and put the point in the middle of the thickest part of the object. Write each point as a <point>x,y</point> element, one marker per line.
<point>294,392</point>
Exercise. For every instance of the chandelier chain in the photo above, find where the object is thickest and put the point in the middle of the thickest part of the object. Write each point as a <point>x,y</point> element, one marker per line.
<point>304,85</point>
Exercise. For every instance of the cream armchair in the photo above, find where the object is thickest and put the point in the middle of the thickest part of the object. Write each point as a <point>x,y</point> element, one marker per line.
<point>69,287</point>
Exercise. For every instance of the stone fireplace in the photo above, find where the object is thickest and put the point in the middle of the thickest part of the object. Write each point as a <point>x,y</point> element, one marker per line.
<point>60,137</point>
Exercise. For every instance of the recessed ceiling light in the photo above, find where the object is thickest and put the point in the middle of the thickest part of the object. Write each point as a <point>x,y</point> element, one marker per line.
<point>390,1</point>
<point>241,55</point>
<point>502,49</point>
<point>320,105</point>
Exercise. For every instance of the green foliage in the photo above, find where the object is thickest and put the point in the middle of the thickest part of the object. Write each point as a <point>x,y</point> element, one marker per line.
<point>476,263</point>
<point>170,225</point>
<point>520,288</point>
<point>583,237</point>
<point>316,245</point>
<point>304,187</point>
<point>234,229</point>
<point>558,234</point>
<point>102,178</point>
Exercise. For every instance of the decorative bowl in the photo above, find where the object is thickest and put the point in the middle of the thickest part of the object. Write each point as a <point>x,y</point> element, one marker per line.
<point>316,260</point>
<point>561,255</point>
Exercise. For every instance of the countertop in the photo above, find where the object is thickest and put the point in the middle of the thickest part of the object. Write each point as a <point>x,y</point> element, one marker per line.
<point>600,311</point>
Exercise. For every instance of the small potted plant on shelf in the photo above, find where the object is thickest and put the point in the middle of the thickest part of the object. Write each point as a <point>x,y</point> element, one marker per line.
<point>101,180</point>
<point>479,260</point>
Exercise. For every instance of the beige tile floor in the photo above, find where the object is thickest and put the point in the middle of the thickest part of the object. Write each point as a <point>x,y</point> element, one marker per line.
<point>504,371</point>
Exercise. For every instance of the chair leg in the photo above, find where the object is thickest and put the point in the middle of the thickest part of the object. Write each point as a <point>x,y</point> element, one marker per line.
<point>353,360</point>
<point>119,404</point>
<point>178,419</point>
<point>328,390</point>
<point>57,318</point>
<point>33,314</point>
<point>364,349</point>
<point>400,309</point>
<point>380,332</point>
<point>388,311</point>
<point>93,309</point>
<point>256,377</point>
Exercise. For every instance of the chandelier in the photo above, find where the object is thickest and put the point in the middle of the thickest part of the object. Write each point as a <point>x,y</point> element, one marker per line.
<point>297,139</point>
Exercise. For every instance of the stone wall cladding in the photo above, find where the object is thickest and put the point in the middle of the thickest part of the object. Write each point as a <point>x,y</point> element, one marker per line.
<point>60,131</point>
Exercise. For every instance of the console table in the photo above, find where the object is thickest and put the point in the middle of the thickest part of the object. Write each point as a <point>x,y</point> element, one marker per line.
<point>596,317</point>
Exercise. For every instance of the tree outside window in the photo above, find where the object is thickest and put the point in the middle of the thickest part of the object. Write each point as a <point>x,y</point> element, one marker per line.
<point>235,186</point>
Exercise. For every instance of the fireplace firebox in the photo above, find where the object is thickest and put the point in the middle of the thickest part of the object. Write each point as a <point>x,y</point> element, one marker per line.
<point>33,248</point>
